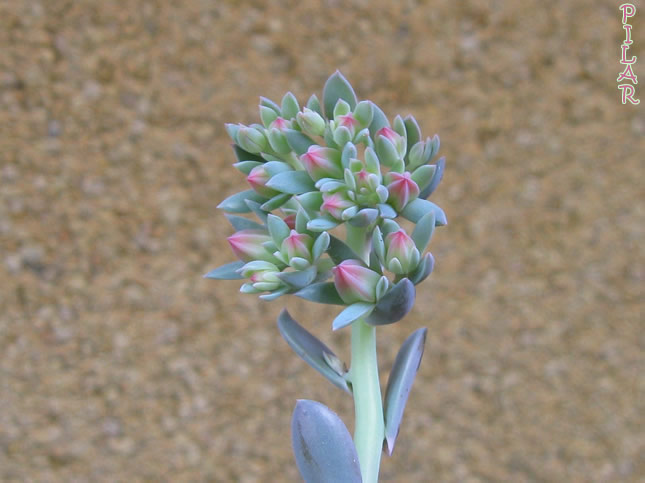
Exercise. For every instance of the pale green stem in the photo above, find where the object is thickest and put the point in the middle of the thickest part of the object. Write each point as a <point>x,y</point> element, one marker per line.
<point>369,427</point>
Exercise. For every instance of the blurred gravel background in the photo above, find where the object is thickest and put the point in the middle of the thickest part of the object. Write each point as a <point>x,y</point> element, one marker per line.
<point>118,362</point>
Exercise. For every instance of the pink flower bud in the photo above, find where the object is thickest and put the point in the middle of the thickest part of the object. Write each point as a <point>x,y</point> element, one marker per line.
<point>322,163</point>
<point>280,124</point>
<point>247,245</point>
<point>400,246</point>
<point>258,178</point>
<point>355,282</point>
<point>335,204</point>
<point>402,190</point>
<point>384,150</point>
<point>297,245</point>
<point>348,121</point>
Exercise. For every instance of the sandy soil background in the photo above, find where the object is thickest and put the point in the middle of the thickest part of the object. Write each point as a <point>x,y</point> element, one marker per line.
<point>118,362</point>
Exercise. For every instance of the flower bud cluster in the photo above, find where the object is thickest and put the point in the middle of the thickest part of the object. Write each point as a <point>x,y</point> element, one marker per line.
<point>310,169</point>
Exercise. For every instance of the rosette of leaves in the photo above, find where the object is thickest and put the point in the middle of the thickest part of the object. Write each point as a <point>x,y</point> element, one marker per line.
<point>309,170</point>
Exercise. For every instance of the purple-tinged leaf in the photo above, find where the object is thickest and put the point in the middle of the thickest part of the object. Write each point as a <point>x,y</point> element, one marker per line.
<point>436,179</point>
<point>241,223</point>
<point>322,445</point>
<point>394,305</point>
<point>226,272</point>
<point>299,142</point>
<point>351,314</point>
<point>309,349</point>
<point>322,293</point>
<point>416,209</point>
<point>423,270</point>
<point>337,87</point>
<point>237,203</point>
<point>399,384</point>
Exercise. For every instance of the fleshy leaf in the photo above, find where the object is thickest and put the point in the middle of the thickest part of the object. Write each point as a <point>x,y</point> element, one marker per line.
<point>321,224</point>
<point>423,175</point>
<point>226,272</point>
<point>268,297</point>
<point>423,270</point>
<point>236,203</point>
<point>278,229</point>
<point>290,106</point>
<point>298,279</point>
<point>269,103</point>
<point>436,179</point>
<point>322,293</point>
<point>276,202</point>
<point>416,209</point>
<point>243,155</point>
<point>423,231</point>
<point>413,132</point>
<point>379,120</point>
<point>364,217</point>
<point>292,182</point>
<point>246,166</point>
<point>314,104</point>
<point>399,384</point>
<point>351,314</point>
<point>394,305</point>
<point>323,447</point>
<point>256,208</point>
<point>299,142</point>
<point>338,251</point>
<point>241,223</point>
<point>309,348</point>
<point>386,211</point>
<point>337,87</point>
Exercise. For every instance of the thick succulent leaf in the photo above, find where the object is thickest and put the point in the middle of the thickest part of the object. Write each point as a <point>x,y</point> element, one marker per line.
<point>399,384</point>
<point>269,103</point>
<point>275,167</point>
<point>310,201</point>
<point>337,87</point>
<point>321,224</point>
<point>423,270</point>
<point>394,305</point>
<point>267,115</point>
<point>243,155</point>
<point>323,293</point>
<point>314,104</point>
<point>292,182</point>
<point>309,349</point>
<point>351,314</point>
<point>241,223</point>
<point>276,202</point>
<point>275,294</point>
<point>322,445</point>
<point>320,245</point>
<point>278,229</point>
<point>413,132</point>
<point>299,142</point>
<point>422,233</point>
<point>300,278</point>
<point>338,251</point>
<point>423,175</point>
<point>364,217</point>
<point>290,106</point>
<point>379,120</point>
<point>386,211</point>
<point>246,166</point>
<point>256,208</point>
<point>237,203</point>
<point>416,209</point>
<point>226,272</point>
<point>436,179</point>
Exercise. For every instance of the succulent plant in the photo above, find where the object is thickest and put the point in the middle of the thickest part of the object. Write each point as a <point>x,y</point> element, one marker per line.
<point>311,170</point>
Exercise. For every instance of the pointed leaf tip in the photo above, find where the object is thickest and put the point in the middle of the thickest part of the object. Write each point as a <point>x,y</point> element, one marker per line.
<point>399,384</point>
<point>337,87</point>
<point>394,305</point>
